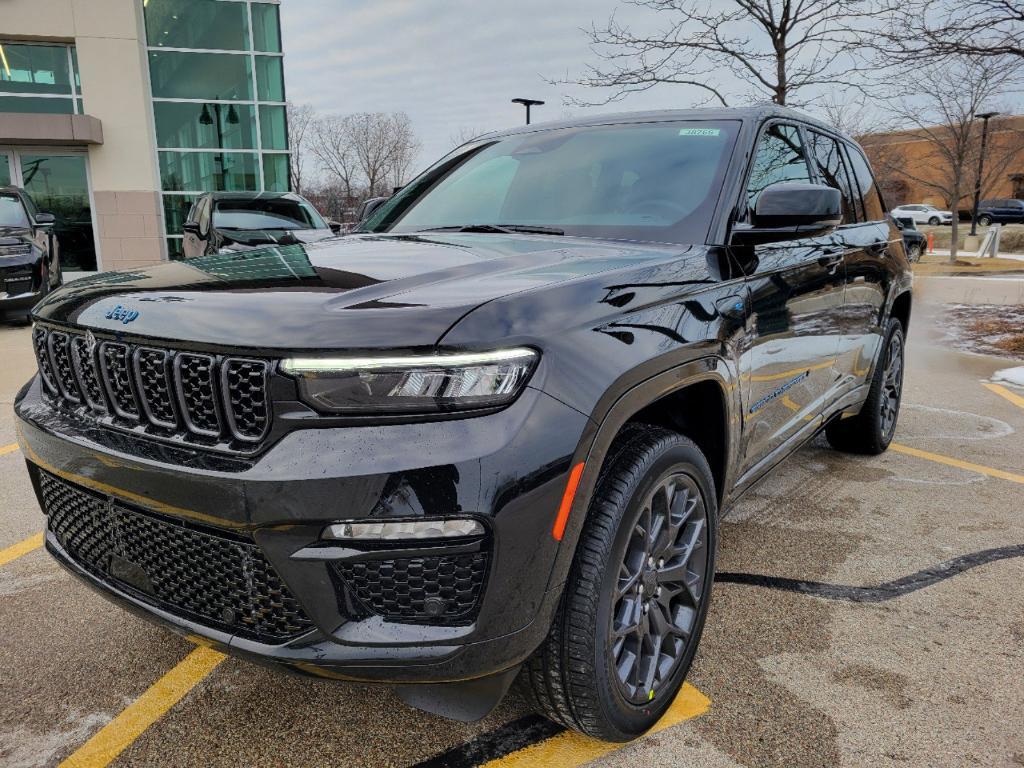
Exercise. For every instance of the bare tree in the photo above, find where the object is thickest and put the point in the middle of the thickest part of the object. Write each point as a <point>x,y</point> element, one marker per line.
<point>929,29</point>
<point>301,119</point>
<point>782,50</point>
<point>856,118</point>
<point>332,145</point>
<point>464,135</point>
<point>943,121</point>
<point>384,146</point>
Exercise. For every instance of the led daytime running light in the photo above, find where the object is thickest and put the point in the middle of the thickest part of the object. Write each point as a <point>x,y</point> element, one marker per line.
<point>301,366</point>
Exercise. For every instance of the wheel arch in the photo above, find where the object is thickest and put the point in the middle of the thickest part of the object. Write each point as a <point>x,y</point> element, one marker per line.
<point>708,384</point>
<point>901,306</point>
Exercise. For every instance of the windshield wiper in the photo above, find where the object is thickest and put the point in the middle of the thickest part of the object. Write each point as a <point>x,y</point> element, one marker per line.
<point>528,229</point>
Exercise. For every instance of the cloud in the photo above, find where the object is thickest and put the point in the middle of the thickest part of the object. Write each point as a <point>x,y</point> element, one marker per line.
<point>450,65</point>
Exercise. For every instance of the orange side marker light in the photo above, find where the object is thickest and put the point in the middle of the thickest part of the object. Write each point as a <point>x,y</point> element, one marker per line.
<point>567,497</point>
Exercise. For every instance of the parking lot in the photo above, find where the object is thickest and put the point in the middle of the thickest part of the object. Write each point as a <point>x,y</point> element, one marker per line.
<point>868,612</point>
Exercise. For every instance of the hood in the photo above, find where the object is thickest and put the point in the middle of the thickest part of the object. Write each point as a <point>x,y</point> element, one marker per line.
<point>354,292</point>
<point>260,237</point>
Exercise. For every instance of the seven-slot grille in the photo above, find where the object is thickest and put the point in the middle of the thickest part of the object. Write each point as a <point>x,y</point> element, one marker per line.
<point>199,398</point>
<point>210,576</point>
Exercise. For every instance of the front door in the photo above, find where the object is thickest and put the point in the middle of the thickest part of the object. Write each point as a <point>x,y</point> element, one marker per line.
<point>787,363</point>
<point>57,180</point>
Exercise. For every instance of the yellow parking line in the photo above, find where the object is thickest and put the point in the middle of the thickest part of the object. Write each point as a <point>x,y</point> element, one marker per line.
<point>1002,391</point>
<point>15,551</point>
<point>570,749</point>
<point>119,733</point>
<point>5,449</point>
<point>951,462</point>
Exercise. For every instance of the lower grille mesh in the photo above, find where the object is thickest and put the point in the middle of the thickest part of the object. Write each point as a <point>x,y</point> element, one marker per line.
<point>442,589</point>
<point>209,577</point>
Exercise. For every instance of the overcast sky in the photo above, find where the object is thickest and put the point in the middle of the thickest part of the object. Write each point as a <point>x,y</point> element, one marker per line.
<point>449,64</point>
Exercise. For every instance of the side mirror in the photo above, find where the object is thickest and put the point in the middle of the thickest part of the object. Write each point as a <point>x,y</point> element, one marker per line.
<point>191,227</point>
<point>45,219</point>
<point>336,226</point>
<point>370,206</point>
<point>790,211</point>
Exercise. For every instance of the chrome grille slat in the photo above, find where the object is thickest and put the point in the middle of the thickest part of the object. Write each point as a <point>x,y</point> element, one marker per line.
<point>60,358</point>
<point>84,360</point>
<point>153,379</point>
<point>196,379</point>
<point>115,367</point>
<point>221,403</point>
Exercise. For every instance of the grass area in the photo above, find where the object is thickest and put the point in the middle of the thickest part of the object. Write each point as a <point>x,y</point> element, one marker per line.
<point>992,330</point>
<point>1011,240</point>
<point>934,264</point>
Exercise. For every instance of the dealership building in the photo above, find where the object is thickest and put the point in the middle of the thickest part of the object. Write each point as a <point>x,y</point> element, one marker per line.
<point>116,114</point>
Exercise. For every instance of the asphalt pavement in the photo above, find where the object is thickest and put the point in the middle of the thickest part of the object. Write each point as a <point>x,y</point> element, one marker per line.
<point>868,612</point>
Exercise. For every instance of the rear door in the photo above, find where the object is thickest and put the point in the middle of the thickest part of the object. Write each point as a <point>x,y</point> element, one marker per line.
<point>796,292</point>
<point>872,246</point>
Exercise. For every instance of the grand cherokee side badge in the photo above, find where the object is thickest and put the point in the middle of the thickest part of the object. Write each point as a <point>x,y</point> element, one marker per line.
<point>122,314</point>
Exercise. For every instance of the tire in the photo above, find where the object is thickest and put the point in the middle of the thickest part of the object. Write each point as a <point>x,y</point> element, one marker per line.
<point>914,253</point>
<point>934,221</point>
<point>984,221</point>
<point>574,677</point>
<point>871,430</point>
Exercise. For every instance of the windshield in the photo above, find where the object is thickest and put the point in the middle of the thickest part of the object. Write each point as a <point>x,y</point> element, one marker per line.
<point>267,213</point>
<point>12,213</point>
<point>640,181</point>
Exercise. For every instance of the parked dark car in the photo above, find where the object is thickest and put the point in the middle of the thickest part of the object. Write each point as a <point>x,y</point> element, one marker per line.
<point>235,221</point>
<point>914,242</point>
<point>1000,211</point>
<point>29,255</point>
<point>493,431</point>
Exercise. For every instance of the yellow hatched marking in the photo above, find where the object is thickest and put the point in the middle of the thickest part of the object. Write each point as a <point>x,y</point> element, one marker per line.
<point>570,749</point>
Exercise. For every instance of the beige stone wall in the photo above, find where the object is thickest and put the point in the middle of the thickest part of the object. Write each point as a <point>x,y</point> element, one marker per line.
<point>110,38</point>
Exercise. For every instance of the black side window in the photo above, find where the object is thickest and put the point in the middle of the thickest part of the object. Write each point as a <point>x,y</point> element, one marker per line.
<point>874,210</point>
<point>828,158</point>
<point>780,157</point>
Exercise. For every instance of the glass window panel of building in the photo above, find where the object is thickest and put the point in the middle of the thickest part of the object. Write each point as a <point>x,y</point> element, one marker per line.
<point>217,79</point>
<point>38,78</point>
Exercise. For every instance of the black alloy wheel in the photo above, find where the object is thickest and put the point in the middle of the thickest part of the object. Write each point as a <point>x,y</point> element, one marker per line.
<point>871,430</point>
<point>660,587</point>
<point>638,591</point>
<point>892,386</point>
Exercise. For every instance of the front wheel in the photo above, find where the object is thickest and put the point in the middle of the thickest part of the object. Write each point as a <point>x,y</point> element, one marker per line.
<point>984,221</point>
<point>634,605</point>
<point>871,430</point>
<point>914,253</point>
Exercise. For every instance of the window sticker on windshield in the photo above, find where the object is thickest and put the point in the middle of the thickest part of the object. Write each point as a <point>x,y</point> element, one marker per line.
<point>699,131</point>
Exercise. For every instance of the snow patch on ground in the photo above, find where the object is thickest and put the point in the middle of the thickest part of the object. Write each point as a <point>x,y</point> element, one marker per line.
<point>1010,376</point>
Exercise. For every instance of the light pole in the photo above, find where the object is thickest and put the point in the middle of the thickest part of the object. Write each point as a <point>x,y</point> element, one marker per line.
<point>985,117</point>
<point>528,103</point>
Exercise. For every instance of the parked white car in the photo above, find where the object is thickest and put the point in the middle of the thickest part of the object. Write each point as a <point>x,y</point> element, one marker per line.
<point>923,214</point>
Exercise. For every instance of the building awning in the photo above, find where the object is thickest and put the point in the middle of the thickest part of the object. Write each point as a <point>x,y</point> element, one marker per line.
<point>41,128</point>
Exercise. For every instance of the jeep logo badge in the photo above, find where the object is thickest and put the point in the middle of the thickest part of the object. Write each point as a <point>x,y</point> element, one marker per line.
<point>122,314</point>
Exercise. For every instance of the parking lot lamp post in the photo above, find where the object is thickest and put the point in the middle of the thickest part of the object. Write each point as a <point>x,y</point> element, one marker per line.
<point>527,103</point>
<point>985,117</point>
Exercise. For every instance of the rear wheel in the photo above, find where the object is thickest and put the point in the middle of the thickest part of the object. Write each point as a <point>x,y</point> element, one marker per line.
<point>871,430</point>
<point>934,221</point>
<point>914,252</point>
<point>637,594</point>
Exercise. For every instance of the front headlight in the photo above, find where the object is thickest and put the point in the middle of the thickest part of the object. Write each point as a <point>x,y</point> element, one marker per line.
<point>412,384</point>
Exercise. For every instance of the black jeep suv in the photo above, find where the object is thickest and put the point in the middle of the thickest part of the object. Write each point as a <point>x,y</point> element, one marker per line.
<point>491,432</point>
<point>29,255</point>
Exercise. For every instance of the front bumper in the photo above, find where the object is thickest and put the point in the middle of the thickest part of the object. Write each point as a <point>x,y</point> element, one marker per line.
<point>509,469</point>
<point>19,306</point>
